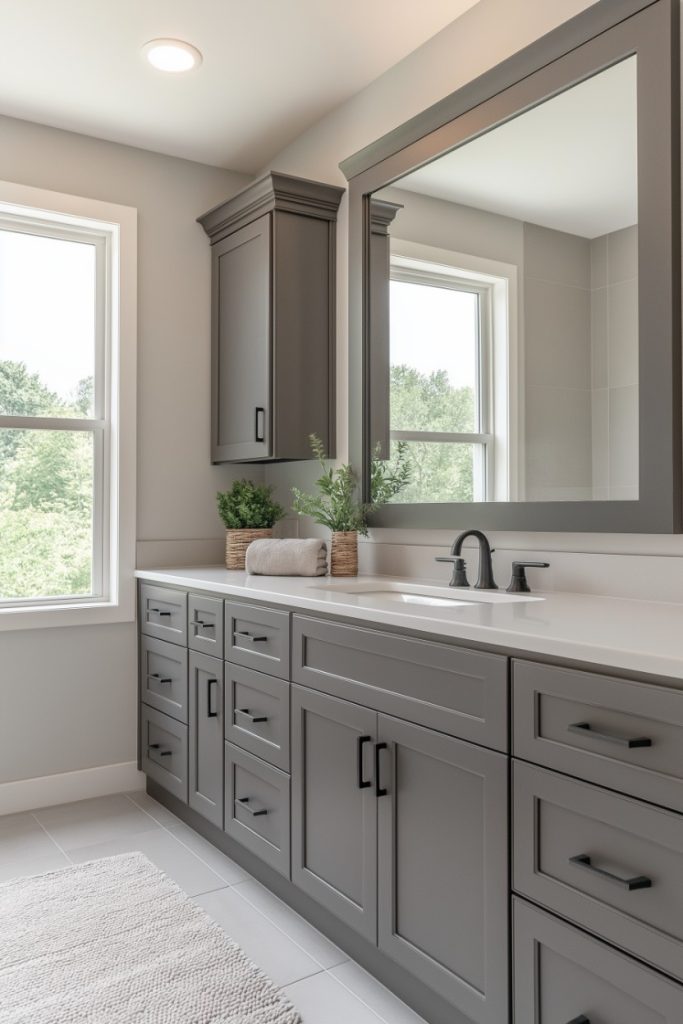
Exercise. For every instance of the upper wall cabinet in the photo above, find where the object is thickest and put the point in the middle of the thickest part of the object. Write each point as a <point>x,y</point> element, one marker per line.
<point>273,319</point>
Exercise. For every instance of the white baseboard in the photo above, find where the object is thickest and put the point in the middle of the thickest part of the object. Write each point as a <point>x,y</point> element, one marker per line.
<point>28,794</point>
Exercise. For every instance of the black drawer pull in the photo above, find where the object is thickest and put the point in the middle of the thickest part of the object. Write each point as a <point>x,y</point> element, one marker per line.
<point>259,426</point>
<point>158,611</point>
<point>157,676</point>
<point>581,1019</point>
<point>209,691</point>
<point>251,638</point>
<point>362,783</point>
<point>379,790</point>
<point>585,728</point>
<point>202,625</point>
<point>248,714</point>
<point>582,860</point>
<point>162,753</point>
<point>243,801</point>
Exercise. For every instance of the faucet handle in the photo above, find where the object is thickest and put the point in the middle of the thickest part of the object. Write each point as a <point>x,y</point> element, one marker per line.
<point>519,583</point>
<point>459,577</point>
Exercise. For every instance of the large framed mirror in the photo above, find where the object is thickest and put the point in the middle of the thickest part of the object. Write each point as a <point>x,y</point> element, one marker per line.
<point>515,289</point>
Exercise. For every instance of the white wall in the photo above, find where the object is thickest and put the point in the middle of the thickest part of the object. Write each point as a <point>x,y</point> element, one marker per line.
<point>488,33</point>
<point>68,696</point>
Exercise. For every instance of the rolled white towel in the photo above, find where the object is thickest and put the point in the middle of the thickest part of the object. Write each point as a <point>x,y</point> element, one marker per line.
<point>287,558</point>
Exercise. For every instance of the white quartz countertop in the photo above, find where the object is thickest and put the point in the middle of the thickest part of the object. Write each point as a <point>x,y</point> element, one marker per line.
<point>638,636</point>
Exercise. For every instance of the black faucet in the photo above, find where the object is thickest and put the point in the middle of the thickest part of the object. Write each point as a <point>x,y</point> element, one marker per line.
<point>459,577</point>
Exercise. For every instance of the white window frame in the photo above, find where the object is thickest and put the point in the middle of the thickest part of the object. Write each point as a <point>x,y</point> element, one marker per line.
<point>497,468</point>
<point>113,230</point>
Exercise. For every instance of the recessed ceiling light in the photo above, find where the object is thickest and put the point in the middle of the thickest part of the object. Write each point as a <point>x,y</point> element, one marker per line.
<point>171,55</point>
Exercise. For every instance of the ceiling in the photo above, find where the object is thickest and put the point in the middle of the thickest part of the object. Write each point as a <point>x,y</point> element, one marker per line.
<point>270,69</point>
<point>569,164</point>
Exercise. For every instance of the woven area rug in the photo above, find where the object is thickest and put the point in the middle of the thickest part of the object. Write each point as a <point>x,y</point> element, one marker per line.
<point>115,941</point>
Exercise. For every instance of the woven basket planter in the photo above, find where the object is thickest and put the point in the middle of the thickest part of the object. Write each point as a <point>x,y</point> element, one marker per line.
<point>236,544</point>
<point>344,554</point>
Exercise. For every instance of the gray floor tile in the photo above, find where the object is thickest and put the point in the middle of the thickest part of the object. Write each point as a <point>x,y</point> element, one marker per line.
<point>11,822</point>
<point>323,1000</point>
<point>270,949</point>
<point>153,808</point>
<point>179,863</point>
<point>22,836</point>
<point>304,934</point>
<point>228,870</point>
<point>388,1006</point>
<point>32,864</point>
<point>90,822</point>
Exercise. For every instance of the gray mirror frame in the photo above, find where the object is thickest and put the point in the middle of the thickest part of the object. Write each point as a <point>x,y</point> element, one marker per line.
<point>594,40</point>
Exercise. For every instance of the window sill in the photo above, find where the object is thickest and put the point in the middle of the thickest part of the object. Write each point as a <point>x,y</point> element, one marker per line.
<point>86,614</point>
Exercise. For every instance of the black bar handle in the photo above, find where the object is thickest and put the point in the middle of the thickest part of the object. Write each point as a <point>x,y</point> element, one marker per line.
<point>157,675</point>
<point>259,424</point>
<point>379,790</point>
<point>248,714</point>
<point>204,625</point>
<point>586,729</point>
<point>251,638</point>
<point>156,746</point>
<point>362,783</point>
<point>582,860</point>
<point>581,1019</point>
<point>209,691</point>
<point>243,802</point>
<point>158,611</point>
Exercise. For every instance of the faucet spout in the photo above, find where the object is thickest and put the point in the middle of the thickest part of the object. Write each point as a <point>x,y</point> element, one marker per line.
<point>485,580</point>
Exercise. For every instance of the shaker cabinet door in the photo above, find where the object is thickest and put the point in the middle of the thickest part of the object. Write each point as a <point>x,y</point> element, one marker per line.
<point>443,856</point>
<point>206,737</point>
<point>241,371</point>
<point>334,807</point>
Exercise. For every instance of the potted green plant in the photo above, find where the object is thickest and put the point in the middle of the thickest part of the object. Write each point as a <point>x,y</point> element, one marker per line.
<point>338,506</point>
<point>248,513</point>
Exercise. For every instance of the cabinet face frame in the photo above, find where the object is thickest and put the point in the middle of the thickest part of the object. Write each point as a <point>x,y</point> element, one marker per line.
<point>594,40</point>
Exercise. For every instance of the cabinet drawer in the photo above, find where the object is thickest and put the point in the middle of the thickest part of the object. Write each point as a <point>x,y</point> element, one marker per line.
<point>205,624</point>
<point>257,806</point>
<point>257,638</point>
<point>563,976</point>
<point>628,884</point>
<point>163,677</point>
<point>624,735</point>
<point>463,693</point>
<point>257,716</point>
<point>164,751</point>
<point>163,613</point>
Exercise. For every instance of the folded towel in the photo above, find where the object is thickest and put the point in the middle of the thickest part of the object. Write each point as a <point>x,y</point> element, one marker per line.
<point>287,558</point>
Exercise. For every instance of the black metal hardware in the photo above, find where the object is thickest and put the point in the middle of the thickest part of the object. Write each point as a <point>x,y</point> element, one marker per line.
<point>248,714</point>
<point>519,583</point>
<point>379,790</point>
<point>209,712</point>
<point>581,1019</point>
<point>459,576</point>
<point>362,783</point>
<point>204,625</point>
<point>582,860</point>
<point>251,638</point>
<point>158,611</point>
<point>585,728</point>
<point>243,801</point>
<point>259,427</point>
<point>156,675</point>
<point>485,580</point>
<point>156,746</point>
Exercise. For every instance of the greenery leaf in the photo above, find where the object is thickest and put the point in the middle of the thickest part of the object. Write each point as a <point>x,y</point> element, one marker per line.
<point>248,506</point>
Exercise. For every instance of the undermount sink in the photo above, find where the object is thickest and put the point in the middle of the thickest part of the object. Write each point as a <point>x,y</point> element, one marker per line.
<point>399,592</point>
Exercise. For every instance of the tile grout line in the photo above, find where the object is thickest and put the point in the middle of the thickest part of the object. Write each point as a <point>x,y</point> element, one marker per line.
<point>51,837</point>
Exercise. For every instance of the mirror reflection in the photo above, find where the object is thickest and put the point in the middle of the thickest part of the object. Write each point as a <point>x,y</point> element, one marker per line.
<point>503,320</point>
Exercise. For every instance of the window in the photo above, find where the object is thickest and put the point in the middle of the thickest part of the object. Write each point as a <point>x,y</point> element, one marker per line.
<point>446,333</point>
<point>65,450</point>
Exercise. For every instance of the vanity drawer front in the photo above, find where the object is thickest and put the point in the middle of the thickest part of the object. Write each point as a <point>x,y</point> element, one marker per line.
<point>164,751</point>
<point>257,716</point>
<point>257,638</point>
<point>563,976</point>
<point>628,845</point>
<point>624,735</point>
<point>257,807</point>
<point>163,613</point>
<point>163,677</point>
<point>456,691</point>
<point>205,624</point>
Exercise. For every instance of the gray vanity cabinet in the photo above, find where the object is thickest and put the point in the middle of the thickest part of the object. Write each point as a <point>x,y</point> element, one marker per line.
<point>273,319</point>
<point>206,737</point>
<point>442,855</point>
<point>334,806</point>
